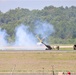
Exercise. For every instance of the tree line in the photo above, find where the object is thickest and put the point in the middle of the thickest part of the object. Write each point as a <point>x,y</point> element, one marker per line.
<point>63,20</point>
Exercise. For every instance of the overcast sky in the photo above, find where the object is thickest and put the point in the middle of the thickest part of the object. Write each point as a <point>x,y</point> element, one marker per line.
<point>6,5</point>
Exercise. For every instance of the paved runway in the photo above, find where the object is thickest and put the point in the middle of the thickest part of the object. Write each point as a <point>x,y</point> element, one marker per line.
<point>38,50</point>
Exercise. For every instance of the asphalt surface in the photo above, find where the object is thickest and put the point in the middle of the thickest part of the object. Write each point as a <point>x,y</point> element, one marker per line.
<point>37,50</point>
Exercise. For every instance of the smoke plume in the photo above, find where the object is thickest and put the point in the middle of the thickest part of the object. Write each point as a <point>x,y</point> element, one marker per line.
<point>23,36</point>
<point>3,35</point>
<point>26,40</point>
<point>43,30</point>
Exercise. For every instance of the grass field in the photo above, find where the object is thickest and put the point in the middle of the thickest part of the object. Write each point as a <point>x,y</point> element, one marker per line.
<point>37,61</point>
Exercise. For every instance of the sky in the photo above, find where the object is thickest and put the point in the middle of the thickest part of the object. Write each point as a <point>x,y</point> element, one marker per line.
<point>6,5</point>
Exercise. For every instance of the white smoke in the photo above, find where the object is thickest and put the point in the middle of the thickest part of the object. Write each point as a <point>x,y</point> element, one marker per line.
<point>24,37</point>
<point>26,40</point>
<point>44,30</point>
<point>3,35</point>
